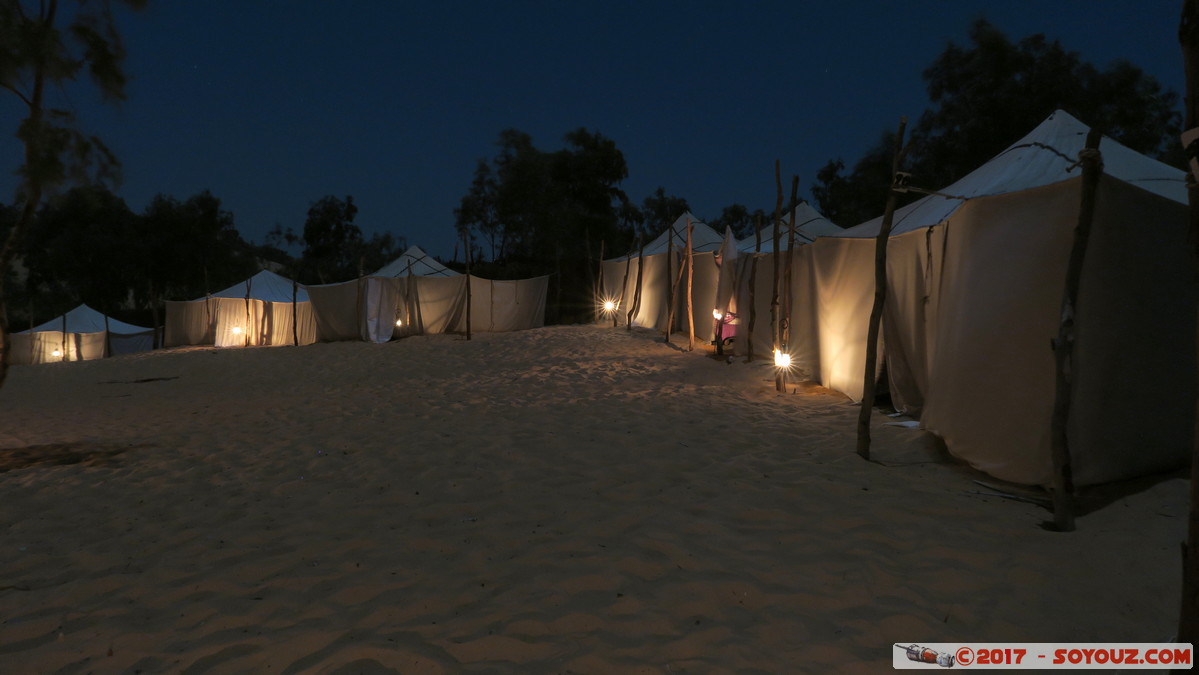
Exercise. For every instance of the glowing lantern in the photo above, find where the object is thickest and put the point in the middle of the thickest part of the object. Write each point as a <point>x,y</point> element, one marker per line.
<point>237,330</point>
<point>717,315</point>
<point>399,322</point>
<point>782,359</point>
<point>56,352</point>
<point>609,306</point>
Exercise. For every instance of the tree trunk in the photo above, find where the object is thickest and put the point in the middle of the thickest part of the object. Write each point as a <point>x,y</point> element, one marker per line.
<point>880,297</point>
<point>1188,620</point>
<point>31,192</point>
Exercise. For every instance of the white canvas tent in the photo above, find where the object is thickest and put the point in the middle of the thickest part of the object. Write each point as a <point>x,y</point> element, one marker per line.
<point>415,262</point>
<point>417,295</point>
<point>810,225</point>
<point>81,334</point>
<point>975,292</point>
<point>620,278</point>
<point>261,310</point>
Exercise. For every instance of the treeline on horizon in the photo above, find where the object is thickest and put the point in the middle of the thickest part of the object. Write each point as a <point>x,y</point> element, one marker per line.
<point>530,212</point>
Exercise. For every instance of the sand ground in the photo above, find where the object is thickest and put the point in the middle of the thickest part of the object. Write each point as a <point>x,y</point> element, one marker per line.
<point>565,500</point>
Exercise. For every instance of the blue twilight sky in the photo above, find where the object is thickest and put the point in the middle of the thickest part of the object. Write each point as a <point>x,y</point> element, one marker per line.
<point>272,104</point>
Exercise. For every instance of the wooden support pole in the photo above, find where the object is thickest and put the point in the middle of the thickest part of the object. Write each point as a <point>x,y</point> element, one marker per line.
<point>785,327</point>
<point>1188,615</point>
<point>295,314</point>
<point>466,246</point>
<point>246,330</point>
<point>669,283</point>
<point>880,298</point>
<point>637,290</point>
<point>1063,346</point>
<point>624,285</point>
<point>599,283</point>
<point>776,328</point>
<point>690,276</point>
<point>753,283</point>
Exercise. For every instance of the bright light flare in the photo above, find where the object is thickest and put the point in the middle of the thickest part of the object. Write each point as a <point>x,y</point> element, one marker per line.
<point>236,330</point>
<point>782,359</point>
<point>399,322</point>
<point>717,315</point>
<point>608,305</point>
<point>56,352</point>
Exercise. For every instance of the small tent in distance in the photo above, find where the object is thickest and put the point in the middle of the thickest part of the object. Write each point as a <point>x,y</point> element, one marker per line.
<point>651,265</point>
<point>79,335</point>
<point>414,262</point>
<point>266,309</point>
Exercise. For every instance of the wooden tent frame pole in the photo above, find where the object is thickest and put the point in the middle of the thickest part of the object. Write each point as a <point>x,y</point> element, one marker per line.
<point>776,328</point>
<point>785,325</point>
<point>753,282</point>
<point>880,298</point>
<point>637,290</point>
<point>690,300</point>
<point>466,245</point>
<point>669,283</point>
<point>1063,346</point>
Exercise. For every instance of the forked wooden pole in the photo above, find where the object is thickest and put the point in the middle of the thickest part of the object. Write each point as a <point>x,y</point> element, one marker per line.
<point>880,298</point>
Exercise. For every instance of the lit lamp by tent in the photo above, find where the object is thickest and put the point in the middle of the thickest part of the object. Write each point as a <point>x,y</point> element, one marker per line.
<point>236,330</point>
<point>782,363</point>
<point>721,318</point>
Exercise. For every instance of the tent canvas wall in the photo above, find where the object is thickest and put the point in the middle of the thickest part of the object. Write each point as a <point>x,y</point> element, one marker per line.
<point>975,292</point>
<point>810,225</point>
<point>376,309</point>
<point>257,311</point>
<point>655,287</point>
<point>81,334</point>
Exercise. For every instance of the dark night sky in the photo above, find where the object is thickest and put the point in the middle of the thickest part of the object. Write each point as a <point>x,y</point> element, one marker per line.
<point>274,104</point>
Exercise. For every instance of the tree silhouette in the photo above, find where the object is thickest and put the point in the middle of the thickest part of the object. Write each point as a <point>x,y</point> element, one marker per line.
<point>34,54</point>
<point>987,95</point>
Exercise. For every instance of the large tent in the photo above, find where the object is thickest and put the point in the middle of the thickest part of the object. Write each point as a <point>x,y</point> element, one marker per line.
<point>976,277</point>
<point>415,262</point>
<point>266,309</point>
<point>651,266</point>
<point>417,295</point>
<point>81,334</point>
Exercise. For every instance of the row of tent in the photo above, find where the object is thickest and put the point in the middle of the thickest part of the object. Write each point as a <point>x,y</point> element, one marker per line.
<point>412,295</point>
<point>976,275</point>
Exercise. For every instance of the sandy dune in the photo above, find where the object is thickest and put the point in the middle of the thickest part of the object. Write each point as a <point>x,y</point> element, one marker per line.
<point>565,500</point>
